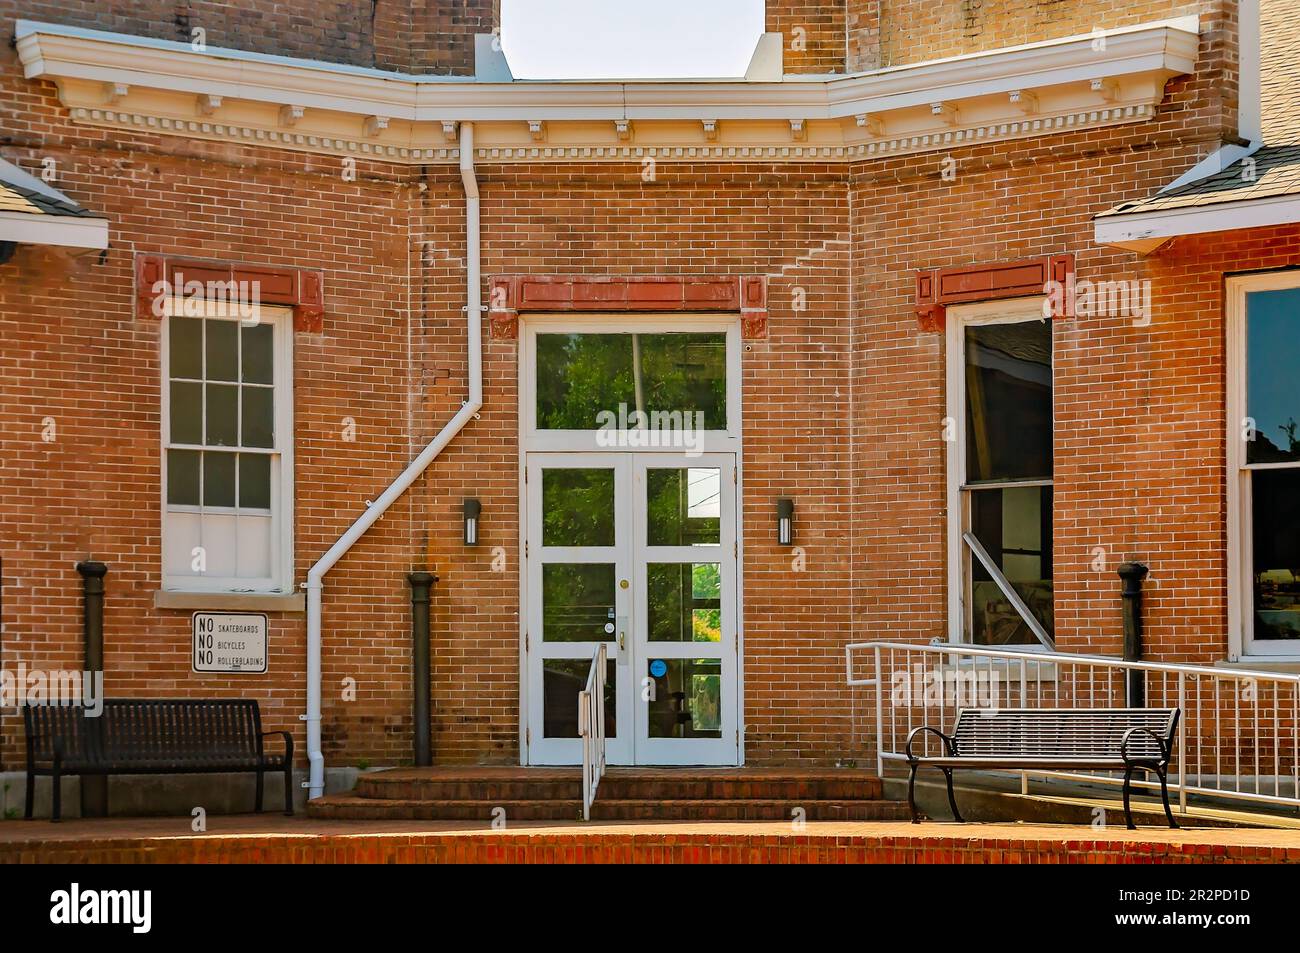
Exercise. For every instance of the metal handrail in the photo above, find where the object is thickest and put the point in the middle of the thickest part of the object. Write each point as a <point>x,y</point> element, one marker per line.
<point>1239,736</point>
<point>591,727</point>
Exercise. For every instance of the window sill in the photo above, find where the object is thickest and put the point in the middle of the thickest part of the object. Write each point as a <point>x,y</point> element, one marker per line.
<point>1284,664</point>
<point>231,601</point>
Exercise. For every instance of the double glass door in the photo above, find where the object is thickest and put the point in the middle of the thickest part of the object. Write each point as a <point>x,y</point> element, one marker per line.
<point>636,550</point>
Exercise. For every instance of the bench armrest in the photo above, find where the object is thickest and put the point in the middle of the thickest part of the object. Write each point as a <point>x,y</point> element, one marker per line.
<point>947,741</point>
<point>1159,739</point>
<point>288,741</point>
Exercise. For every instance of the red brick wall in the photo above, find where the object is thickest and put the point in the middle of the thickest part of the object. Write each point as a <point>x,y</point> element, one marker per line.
<point>1139,411</point>
<point>427,36</point>
<point>442,32</point>
<point>72,348</point>
<point>843,403</point>
<point>821,844</point>
<point>814,34</point>
<point>895,32</point>
<point>789,222</point>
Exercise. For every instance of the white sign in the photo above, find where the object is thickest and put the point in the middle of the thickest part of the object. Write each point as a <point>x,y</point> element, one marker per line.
<point>229,642</point>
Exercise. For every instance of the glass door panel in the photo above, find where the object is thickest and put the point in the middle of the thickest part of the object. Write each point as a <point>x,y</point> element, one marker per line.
<point>638,551</point>
<point>685,609</point>
<point>577,571</point>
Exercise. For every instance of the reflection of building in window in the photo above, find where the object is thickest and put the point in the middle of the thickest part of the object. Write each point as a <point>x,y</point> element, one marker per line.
<point>562,680</point>
<point>687,700</point>
<point>685,602</point>
<point>1007,487</point>
<point>581,376</point>
<point>1272,462</point>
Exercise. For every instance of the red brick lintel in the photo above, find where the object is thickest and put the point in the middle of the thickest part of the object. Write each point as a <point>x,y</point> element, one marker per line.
<point>938,288</point>
<point>511,294</point>
<point>299,288</point>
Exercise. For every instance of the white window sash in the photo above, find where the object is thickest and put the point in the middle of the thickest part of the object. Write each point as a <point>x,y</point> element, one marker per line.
<point>959,550</point>
<point>1241,637</point>
<point>280,578</point>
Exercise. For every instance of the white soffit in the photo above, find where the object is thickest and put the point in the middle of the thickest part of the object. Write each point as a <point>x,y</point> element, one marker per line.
<point>1144,232</point>
<point>153,85</point>
<point>65,231</point>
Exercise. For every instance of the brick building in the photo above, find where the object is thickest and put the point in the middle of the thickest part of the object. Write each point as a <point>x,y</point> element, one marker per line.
<point>834,271</point>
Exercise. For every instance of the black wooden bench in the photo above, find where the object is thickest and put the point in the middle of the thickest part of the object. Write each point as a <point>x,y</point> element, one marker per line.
<point>152,736</point>
<point>1105,739</point>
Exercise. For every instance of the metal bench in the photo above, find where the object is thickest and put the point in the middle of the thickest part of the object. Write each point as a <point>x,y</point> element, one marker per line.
<point>1105,739</point>
<point>152,736</point>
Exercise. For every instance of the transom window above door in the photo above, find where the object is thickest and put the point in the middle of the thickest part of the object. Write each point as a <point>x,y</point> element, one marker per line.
<point>660,383</point>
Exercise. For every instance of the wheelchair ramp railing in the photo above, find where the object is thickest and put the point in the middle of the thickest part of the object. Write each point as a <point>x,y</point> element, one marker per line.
<point>1238,737</point>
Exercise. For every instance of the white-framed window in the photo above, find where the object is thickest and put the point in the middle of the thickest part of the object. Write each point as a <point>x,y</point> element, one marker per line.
<point>227,449</point>
<point>618,382</point>
<point>1263,463</point>
<point>999,433</point>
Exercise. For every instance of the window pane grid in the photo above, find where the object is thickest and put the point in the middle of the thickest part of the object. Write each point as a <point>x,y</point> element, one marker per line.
<point>220,373</point>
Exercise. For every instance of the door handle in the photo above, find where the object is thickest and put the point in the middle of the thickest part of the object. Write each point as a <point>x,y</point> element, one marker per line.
<point>624,656</point>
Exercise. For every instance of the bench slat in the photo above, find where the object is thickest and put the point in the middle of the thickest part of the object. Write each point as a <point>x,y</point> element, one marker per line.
<point>150,734</point>
<point>1061,733</point>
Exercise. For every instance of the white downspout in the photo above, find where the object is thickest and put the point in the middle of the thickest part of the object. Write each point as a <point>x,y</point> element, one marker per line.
<point>316,575</point>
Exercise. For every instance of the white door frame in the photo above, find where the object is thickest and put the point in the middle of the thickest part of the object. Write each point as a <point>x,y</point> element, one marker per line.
<point>531,440</point>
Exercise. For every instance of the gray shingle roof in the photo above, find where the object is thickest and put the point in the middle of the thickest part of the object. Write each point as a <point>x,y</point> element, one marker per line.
<point>1274,170</point>
<point>1271,172</point>
<point>24,193</point>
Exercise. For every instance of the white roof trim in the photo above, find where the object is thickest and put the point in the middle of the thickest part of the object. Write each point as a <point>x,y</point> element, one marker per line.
<point>1145,231</point>
<point>69,53</point>
<point>65,230</point>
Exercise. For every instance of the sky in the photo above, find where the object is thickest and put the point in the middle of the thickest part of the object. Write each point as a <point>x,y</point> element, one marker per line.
<point>629,39</point>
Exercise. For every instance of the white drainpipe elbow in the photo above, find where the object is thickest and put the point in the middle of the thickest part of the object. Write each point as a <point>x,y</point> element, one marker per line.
<point>474,361</point>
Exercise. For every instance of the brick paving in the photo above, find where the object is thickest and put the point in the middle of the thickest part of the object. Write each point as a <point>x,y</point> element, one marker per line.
<point>276,839</point>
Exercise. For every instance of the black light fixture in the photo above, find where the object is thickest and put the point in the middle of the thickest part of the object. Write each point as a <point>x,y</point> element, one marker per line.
<point>472,510</point>
<point>785,521</point>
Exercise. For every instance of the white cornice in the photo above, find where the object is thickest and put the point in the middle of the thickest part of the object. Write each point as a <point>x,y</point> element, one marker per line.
<point>114,79</point>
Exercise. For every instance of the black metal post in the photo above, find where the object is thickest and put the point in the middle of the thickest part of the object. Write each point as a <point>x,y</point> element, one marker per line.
<point>421,585</point>
<point>1133,574</point>
<point>94,790</point>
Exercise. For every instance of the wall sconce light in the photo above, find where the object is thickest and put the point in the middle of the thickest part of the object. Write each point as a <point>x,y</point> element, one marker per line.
<point>785,522</point>
<point>472,510</point>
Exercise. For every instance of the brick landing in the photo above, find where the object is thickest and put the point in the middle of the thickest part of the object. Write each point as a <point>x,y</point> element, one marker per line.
<point>275,839</point>
<point>625,794</point>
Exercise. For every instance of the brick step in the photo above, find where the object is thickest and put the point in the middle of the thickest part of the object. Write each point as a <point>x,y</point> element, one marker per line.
<point>345,807</point>
<point>530,784</point>
<point>753,809</point>
<point>378,787</point>
<point>620,787</point>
